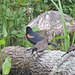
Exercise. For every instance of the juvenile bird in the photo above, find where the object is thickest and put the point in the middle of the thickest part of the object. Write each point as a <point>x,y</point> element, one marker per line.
<point>34,37</point>
<point>71,48</point>
<point>40,46</point>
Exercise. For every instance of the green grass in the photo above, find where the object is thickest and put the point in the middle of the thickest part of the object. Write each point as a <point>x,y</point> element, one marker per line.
<point>66,36</point>
<point>16,14</point>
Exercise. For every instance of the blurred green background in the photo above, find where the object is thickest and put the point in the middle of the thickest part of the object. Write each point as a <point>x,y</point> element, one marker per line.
<point>16,14</point>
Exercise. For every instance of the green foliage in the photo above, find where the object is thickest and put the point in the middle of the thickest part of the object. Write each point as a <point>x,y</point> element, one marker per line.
<point>66,36</point>
<point>15,15</point>
<point>6,66</point>
<point>69,7</point>
<point>23,43</point>
<point>73,38</point>
<point>4,31</point>
<point>2,42</point>
<point>35,28</point>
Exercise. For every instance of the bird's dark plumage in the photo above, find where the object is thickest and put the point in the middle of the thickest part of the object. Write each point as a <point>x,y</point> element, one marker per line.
<point>71,48</point>
<point>34,37</point>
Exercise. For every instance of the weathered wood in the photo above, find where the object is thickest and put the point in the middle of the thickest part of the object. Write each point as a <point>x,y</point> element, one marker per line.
<point>22,59</point>
<point>19,58</point>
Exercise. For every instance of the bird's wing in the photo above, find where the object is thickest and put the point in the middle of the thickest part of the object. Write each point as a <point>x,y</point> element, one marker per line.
<point>34,37</point>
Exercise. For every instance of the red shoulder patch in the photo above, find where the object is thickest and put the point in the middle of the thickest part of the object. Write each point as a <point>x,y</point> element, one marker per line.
<point>29,36</point>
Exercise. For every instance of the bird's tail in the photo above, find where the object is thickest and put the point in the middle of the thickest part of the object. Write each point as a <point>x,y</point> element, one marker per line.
<point>50,43</point>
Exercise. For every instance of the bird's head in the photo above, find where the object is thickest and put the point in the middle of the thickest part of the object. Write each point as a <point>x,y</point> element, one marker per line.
<point>28,30</point>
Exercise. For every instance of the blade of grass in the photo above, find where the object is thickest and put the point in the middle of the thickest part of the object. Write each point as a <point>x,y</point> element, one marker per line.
<point>68,40</point>
<point>1,57</point>
<point>2,42</point>
<point>73,38</point>
<point>60,37</point>
<point>64,26</point>
<point>63,21</point>
<point>55,5</point>
<point>62,16</point>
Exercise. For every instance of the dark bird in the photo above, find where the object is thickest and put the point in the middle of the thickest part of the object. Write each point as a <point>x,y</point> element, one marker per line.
<point>34,37</point>
<point>71,48</point>
<point>40,46</point>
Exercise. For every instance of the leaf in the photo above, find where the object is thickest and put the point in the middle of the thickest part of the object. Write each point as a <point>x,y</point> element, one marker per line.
<point>8,12</point>
<point>23,27</point>
<point>6,66</point>
<point>24,10</point>
<point>68,38</point>
<point>73,39</point>
<point>1,34</point>
<point>45,1</point>
<point>14,32</point>
<point>11,24</point>
<point>2,42</point>
<point>30,10</point>
<point>21,35</point>
<point>4,31</point>
<point>70,1</point>
<point>35,28</point>
<point>28,44</point>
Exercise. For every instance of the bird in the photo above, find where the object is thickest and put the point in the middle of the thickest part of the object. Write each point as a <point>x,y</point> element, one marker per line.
<point>71,48</point>
<point>34,37</point>
<point>39,46</point>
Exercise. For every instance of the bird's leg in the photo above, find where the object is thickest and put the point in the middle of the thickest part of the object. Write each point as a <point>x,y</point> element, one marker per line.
<point>38,55</point>
<point>41,53</point>
<point>34,49</point>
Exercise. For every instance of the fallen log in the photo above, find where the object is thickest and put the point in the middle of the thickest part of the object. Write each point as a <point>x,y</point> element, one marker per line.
<point>49,63</point>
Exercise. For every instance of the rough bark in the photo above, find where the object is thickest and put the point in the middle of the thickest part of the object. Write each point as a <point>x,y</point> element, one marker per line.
<point>49,63</point>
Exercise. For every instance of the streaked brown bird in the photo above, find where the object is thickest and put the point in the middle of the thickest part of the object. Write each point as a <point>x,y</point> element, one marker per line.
<point>40,46</point>
<point>71,48</point>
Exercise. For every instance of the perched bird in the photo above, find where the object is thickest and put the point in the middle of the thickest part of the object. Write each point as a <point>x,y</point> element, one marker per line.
<point>71,48</point>
<point>40,46</point>
<point>34,37</point>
